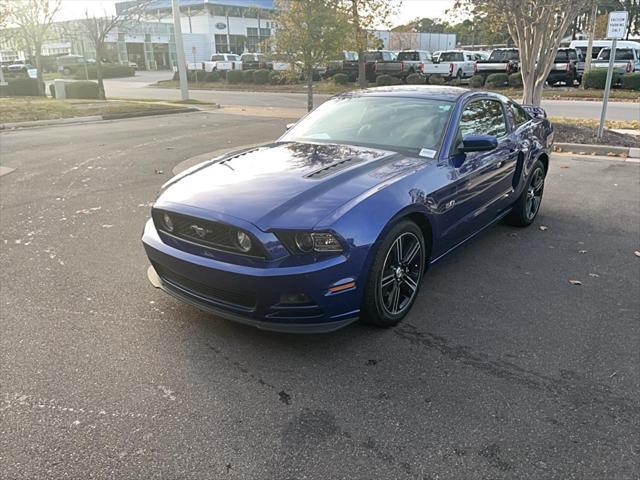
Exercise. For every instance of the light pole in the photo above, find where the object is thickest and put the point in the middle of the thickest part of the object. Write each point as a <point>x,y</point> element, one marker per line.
<point>177,31</point>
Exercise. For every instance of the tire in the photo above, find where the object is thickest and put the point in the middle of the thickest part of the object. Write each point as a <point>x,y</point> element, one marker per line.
<point>527,206</point>
<point>391,289</point>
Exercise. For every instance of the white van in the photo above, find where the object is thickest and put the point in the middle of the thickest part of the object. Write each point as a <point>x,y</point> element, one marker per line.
<point>600,44</point>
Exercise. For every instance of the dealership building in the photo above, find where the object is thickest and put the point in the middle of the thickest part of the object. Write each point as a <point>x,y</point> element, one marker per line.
<point>216,26</point>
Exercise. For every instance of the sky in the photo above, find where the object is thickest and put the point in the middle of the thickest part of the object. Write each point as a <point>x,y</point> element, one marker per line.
<point>410,9</point>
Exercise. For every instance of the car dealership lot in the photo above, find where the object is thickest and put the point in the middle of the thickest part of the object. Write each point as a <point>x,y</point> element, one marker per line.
<point>503,369</point>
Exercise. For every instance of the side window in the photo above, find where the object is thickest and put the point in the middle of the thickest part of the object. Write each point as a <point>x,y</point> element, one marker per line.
<point>483,117</point>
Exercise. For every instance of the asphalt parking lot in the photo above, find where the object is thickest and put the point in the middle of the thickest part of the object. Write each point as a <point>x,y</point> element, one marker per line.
<point>503,369</point>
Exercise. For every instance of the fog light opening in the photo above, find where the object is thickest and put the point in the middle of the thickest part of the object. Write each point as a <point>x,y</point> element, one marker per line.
<point>294,299</point>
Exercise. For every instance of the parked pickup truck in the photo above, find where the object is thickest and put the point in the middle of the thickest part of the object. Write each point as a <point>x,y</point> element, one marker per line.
<point>376,62</point>
<point>565,67</point>
<point>501,60</point>
<point>627,60</point>
<point>406,63</point>
<point>223,61</point>
<point>254,61</point>
<point>348,65</point>
<point>452,63</point>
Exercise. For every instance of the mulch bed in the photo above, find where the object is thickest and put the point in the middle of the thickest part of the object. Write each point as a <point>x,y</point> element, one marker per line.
<point>565,133</point>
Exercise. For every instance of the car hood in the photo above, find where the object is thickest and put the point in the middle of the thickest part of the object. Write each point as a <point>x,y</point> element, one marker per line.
<point>284,185</point>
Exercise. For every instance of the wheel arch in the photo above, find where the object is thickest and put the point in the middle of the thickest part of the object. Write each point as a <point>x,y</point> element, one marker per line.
<point>544,159</point>
<point>416,215</point>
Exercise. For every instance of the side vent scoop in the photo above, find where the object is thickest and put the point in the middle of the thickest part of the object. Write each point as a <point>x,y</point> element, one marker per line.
<point>333,168</point>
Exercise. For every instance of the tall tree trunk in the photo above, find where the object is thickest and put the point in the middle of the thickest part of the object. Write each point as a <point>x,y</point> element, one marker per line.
<point>309,87</point>
<point>38,55</point>
<point>101,93</point>
<point>362,69</point>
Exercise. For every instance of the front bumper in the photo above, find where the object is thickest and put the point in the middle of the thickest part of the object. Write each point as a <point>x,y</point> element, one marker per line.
<point>252,295</point>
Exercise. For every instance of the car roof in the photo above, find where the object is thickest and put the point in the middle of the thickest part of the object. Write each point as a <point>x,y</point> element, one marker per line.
<point>434,92</point>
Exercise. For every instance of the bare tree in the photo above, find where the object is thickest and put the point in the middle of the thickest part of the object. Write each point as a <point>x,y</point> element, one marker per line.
<point>97,28</point>
<point>536,27</point>
<point>309,32</point>
<point>365,15</point>
<point>33,19</point>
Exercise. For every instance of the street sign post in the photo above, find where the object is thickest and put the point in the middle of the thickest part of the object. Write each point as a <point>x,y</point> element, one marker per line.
<point>182,67</point>
<point>193,52</point>
<point>615,30</point>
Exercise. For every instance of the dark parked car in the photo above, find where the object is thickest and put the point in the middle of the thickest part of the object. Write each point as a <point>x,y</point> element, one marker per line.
<point>501,60</point>
<point>348,65</point>
<point>340,217</point>
<point>255,61</point>
<point>565,67</point>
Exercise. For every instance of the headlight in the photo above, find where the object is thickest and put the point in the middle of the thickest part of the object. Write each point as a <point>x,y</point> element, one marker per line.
<point>325,242</point>
<point>309,242</point>
<point>304,241</point>
<point>243,240</point>
<point>168,223</point>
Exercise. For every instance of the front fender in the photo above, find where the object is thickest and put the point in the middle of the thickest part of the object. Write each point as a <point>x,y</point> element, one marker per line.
<point>365,225</point>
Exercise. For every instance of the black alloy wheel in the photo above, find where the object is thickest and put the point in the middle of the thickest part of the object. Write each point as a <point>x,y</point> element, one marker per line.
<point>526,207</point>
<point>534,193</point>
<point>395,277</point>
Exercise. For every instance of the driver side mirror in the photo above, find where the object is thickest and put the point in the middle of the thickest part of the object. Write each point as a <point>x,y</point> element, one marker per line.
<point>477,143</point>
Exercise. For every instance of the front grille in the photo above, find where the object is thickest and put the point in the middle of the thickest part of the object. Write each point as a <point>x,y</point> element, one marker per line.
<point>214,235</point>
<point>239,300</point>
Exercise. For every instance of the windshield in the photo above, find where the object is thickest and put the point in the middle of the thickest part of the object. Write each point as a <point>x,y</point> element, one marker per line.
<point>504,55</point>
<point>393,123</point>
<point>621,54</point>
<point>408,56</point>
<point>351,56</point>
<point>451,57</point>
<point>372,56</point>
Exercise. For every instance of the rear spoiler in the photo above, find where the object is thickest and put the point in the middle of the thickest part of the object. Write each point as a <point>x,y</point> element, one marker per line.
<point>535,112</point>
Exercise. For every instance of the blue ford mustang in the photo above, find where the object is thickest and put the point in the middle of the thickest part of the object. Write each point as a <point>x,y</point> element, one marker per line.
<point>340,217</point>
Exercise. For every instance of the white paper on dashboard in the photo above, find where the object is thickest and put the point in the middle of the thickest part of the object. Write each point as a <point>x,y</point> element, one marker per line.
<point>426,152</point>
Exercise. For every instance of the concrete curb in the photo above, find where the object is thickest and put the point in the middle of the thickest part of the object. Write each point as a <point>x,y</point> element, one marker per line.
<point>606,150</point>
<point>95,118</point>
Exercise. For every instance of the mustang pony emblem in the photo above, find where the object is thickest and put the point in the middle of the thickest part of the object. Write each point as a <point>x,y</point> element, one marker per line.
<point>199,231</point>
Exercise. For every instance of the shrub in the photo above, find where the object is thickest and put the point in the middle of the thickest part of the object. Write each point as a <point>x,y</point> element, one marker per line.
<point>212,76</point>
<point>454,82</point>
<point>82,89</point>
<point>275,78</point>
<point>384,80</point>
<point>476,81</point>
<point>340,78</point>
<point>515,80</point>
<point>497,80</point>
<point>290,78</point>
<point>261,76</point>
<point>24,87</point>
<point>234,76</point>
<point>248,76</point>
<point>436,79</point>
<point>108,71</point>
<point>596,78</point>
<point>416,79</point>
<point>631,81</point>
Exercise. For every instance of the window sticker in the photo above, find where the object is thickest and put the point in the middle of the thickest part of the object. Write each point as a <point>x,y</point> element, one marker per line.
<point>426,152</point>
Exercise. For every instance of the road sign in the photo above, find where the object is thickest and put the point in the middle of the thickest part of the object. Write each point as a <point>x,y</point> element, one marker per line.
<point>617,24</point>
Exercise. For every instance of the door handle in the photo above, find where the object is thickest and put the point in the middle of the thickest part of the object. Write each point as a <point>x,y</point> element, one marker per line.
<point>499,164</point>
